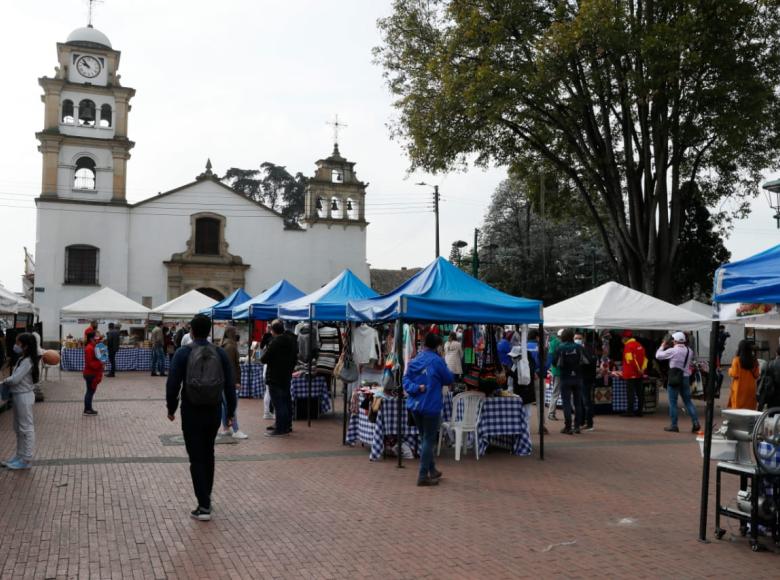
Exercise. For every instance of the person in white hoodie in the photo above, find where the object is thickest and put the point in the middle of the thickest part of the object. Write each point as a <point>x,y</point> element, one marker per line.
<point>20,385</point>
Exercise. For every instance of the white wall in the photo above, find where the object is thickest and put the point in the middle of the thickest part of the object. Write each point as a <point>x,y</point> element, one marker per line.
<point>63,224</point>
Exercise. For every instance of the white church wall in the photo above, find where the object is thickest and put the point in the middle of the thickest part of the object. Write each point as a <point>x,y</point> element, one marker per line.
<point>63,224</point>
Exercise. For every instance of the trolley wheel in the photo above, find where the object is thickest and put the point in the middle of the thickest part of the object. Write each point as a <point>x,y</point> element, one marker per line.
<point>719,532</point>
<point>756,547</point>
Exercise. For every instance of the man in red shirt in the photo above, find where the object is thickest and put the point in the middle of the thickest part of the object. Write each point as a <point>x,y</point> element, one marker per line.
<point>634,365</point>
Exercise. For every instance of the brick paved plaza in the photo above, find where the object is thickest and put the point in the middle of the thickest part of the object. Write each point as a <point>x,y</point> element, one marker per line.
<point>107,499</point>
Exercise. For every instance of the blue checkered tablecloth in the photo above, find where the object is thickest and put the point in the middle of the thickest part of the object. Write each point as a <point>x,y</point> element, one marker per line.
<point>360,429</point>
<point>299,389</point>
<point>548,397</point>
<point>620,395</point>
<point>127,359</point>
<point>502,421</point>
<point>252,381</point>
<point>770,455</point>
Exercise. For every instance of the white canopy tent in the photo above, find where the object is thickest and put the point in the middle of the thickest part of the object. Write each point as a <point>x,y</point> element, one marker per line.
<point>735,330</point>
<point>613,305</point>
<point>185,306</point>
<point>106,304</point>
<point>12,303</point>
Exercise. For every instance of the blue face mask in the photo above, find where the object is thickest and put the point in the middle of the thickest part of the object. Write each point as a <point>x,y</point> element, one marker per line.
<point>17,349</point>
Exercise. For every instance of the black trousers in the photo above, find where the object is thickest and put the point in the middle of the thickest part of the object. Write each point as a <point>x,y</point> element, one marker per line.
<point>588,386</point>
<point>112,362</point>
<point>636,388</point>
<point>199,426</point>
<point>281,398</point>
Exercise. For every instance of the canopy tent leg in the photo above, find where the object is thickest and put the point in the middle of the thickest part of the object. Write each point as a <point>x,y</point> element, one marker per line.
<point>540,397</point>
<point>308,382</point>
<point>399,343</point>
<point>346,389</point>
<point>708,420</point>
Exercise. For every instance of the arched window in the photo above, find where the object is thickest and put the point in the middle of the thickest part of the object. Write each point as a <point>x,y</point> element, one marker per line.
<point>86,113</point>
<point>81,265</point>
<point>207,236</point>
<point>320,207</point>
<point>84,177</point>
<point>105,116</point>
<point>352,209</point>
<point>67,112</point>
<point>335,208</point>
<point>337,176</point>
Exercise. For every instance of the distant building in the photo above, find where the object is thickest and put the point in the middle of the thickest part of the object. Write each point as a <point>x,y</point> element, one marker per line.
<point>384,281</point>
<point>201,235</point>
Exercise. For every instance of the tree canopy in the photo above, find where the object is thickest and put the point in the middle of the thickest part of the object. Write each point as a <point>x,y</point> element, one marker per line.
<point>640,106</point>
<point>274,186</point>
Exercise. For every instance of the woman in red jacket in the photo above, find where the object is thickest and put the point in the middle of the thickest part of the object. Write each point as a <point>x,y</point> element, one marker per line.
<point>93,373</point>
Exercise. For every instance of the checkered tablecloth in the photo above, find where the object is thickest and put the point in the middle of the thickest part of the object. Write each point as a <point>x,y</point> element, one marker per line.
<point>252,381</point>
<point>503,421</point>
<point>299,389</point>
<point>361,430</point>
<point>127,359</point>
<point>548,397</point>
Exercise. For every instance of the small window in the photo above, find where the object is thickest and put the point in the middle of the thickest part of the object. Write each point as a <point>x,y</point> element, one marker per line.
<point>352,209</point>
<point>320,207</point>
<point>105,116</point>
<point>207,236</point>
<point>81,265</point>
<point>335,208</point>
<point>84,177</point>
<point>337,176</point>
<point>86,113</point>
<point>67,112</point>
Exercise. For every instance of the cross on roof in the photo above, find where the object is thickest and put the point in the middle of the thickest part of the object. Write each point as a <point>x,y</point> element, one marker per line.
<point>91,10</point>
<point>336,124</point>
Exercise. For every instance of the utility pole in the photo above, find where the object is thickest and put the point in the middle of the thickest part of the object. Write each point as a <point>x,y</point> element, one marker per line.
<point>475,256</point>
<point>436,211</point>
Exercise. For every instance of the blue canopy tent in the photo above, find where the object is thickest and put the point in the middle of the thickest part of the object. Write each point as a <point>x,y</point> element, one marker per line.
<point>443,293</point>
<point>753,280</point>
<point>223,310</point>
<point>265,305</point>
<point>328,304</point>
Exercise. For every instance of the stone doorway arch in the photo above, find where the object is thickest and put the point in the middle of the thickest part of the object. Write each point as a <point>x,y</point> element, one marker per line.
<point>212,293</point>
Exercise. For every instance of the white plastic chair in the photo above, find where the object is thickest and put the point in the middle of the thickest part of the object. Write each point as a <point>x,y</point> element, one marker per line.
<point>472,408</point>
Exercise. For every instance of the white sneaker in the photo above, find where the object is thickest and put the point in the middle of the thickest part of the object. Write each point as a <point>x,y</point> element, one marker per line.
<point>268,416</point>
<point>240,435</point>
<point>223,433</point>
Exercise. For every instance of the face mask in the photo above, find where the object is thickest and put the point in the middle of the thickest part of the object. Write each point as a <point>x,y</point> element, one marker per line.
<point>577,341</point>
<point>17,349</point>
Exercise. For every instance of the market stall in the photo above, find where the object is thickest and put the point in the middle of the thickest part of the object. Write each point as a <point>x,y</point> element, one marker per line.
<point>105,306</point>
<point>443,293</point>
<point>223,310</point>
<point>754,281</point>
<point>16,311</point>
<point>184,307</point>
<point>265,306</point>
<point>614,306</point>
<point>328,304</point>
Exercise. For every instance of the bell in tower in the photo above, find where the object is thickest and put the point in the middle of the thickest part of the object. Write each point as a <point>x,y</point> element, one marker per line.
<point>336,182</point>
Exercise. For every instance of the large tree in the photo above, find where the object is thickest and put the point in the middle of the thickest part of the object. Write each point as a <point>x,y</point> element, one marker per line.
<point>273,186</point>
<point>630,101</point>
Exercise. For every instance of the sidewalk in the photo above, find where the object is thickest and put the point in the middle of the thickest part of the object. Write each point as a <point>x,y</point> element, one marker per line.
<point>110,496</point>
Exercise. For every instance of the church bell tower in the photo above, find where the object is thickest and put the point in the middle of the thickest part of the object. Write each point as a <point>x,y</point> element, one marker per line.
<point>335,196</point>
<point>84,140</point>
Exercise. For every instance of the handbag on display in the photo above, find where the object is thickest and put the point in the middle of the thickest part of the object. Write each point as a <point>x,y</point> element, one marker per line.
<point>349,371</point>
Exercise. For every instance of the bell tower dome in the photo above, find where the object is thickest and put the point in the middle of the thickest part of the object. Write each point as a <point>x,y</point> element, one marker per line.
<point>84,139</point>
<point>335,196</point>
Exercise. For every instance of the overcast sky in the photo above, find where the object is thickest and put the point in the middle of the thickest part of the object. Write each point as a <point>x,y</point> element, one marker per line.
<point>242,82</point>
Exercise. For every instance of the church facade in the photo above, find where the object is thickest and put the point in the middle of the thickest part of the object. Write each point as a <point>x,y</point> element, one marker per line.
<point>202,235</point>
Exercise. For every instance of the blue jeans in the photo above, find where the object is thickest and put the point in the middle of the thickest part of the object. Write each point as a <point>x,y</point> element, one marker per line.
<point>158,360</point>
<point>428,427</point>
<point>224,415</point>
<point>685,391</point>
<point>90,394</point>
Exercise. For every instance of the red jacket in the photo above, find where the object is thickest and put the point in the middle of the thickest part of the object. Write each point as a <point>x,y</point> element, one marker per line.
<point>634,360</point>
<point>92,366</point>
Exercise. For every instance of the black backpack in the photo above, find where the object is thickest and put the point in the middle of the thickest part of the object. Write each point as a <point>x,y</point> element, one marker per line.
<point>205,378</point>
<point>570,361</point>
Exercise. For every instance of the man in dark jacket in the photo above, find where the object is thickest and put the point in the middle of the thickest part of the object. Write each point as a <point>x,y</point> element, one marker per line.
<point>199,423</point>
<point>588,380</point>
<point>112,344</point>
<point>280,358</point>
<point>568,359</point>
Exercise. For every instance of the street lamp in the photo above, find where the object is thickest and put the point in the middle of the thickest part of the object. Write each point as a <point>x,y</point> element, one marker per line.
<point>773,187</point>
<point>435,210</point>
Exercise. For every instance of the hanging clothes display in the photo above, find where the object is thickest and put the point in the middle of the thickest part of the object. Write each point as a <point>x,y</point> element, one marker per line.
<point>468,345</point>
<point>330,350</point>
<point>365,344</point>
<point>410,345</point>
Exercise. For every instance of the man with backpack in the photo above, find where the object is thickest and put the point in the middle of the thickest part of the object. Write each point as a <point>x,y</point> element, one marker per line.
<point>205,374</point>
<point>568,359</point>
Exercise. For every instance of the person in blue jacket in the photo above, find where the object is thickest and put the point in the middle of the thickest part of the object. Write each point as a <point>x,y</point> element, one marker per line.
<point>425,376</point>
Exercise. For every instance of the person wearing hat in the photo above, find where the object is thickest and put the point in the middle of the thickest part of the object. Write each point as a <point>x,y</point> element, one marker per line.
<point>634,365</point>
<point>680,358</point>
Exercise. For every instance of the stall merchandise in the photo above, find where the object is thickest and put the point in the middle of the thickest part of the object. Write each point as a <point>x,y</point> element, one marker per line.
<point>185,306</point>
<point>265,306</point>
<point>441,292</point>
<point>374,430</point>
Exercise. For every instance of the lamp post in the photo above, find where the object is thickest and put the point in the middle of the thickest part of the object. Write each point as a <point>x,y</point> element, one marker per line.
<point>435,210</point>
<point>457,246</point>
<point>773,189</point>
